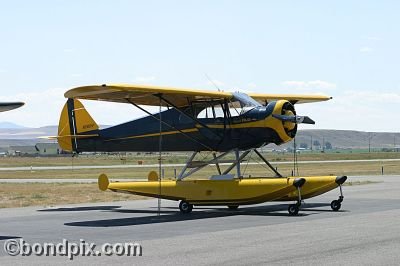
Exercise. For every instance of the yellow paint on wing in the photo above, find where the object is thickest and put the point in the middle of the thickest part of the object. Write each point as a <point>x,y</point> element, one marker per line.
<point>145,95</point>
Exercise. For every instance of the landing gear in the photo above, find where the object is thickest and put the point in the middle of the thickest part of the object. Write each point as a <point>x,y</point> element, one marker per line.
<point>337,204</point>
<point>293,209</point>
<point>185,207</point>
<point>233,207</point>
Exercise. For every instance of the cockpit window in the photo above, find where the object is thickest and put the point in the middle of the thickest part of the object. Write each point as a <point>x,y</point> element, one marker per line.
<point>217,111</point>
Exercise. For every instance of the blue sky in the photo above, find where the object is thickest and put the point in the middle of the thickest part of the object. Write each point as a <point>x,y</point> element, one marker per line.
<point>345,49</point>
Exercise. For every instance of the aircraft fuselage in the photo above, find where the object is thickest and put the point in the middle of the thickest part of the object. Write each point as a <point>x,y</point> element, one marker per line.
<point>181,132</point>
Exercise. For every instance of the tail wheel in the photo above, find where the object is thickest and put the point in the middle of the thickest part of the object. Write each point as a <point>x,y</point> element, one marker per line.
<point>185,207</point>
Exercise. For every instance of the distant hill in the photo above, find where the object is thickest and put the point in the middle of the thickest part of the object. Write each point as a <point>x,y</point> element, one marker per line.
<point>343,139</point>
<point>27,133</point>
<point>10,125</point>
<point>337,138</point>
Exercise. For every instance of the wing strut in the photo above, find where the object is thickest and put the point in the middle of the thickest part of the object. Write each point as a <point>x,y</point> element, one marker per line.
<point>198,165</point>
<point>237,162</point>
<point>267,163</point>
<point>190,117</point>
<point>186,165</point>
<point>182,175</point>
<point>171,126</point>
<point>217,164</point>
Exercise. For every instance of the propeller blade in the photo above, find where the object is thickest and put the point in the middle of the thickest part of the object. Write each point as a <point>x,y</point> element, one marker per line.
<point>294,119</point>
<point>307,120</point>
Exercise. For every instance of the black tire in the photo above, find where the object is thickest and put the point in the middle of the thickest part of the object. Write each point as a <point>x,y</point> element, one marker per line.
<point>293,209</point>
<point>233,207</point>
<point>185,207</point>
<point>336,205</point>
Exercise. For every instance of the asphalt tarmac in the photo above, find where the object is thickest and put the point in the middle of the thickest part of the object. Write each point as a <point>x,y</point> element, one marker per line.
<point>366,231</point>
<point>123,166</point>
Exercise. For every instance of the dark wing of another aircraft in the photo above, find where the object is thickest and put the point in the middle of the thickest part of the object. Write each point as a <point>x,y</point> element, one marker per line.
<point>7,106</point>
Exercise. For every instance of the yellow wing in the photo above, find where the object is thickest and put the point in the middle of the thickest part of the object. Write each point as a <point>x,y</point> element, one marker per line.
<point>293,98</point>
<point>180,97</point>
<point>144,95</point>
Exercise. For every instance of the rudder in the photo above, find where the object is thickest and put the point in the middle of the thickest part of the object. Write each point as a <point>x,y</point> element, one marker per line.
<point>75,122</point>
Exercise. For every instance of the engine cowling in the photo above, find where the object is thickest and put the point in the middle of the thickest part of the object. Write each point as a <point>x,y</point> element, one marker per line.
<point>285,128</point>
<point>289,126</point>
<point>284,120</point>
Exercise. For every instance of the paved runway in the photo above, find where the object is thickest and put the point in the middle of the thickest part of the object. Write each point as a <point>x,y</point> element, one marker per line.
<point>121,166</point>
<point>365,231</point>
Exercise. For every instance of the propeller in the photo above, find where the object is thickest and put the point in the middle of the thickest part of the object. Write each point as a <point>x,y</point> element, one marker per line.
<point>297,119</point>
<point>289,115</point>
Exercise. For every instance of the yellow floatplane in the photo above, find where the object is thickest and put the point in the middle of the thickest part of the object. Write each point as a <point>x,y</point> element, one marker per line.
<point>199,121</point>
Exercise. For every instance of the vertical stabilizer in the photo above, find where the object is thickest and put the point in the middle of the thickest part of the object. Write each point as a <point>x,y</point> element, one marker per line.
<point>75,123</point>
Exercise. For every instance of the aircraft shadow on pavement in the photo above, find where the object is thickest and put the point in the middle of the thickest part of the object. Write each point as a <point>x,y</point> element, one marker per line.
<point>8,237</point>
<point>197,214</point>
<point>77,209</point>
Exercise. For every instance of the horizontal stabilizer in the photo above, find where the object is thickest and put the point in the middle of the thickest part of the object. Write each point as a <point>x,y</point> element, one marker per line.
<point>79,136</point>
<point>69,136</point>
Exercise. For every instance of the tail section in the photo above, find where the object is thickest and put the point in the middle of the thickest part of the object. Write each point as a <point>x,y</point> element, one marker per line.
<point>75,123</point>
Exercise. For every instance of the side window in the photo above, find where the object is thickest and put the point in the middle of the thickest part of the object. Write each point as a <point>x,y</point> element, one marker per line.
<point>218,112</point>
<point>206,113</point>
<point>211,112</point>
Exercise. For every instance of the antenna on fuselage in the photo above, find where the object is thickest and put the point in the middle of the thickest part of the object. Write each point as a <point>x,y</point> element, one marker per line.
<point>209,79</point>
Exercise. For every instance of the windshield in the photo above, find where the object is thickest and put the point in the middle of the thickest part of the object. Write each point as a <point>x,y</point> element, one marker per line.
<point>245,100</point>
